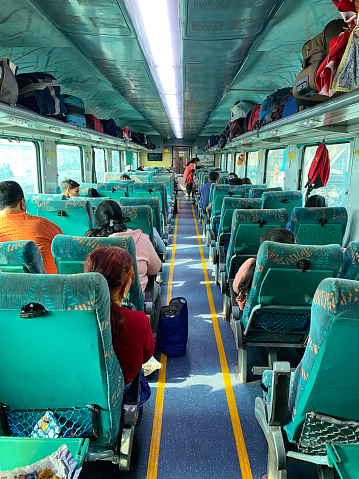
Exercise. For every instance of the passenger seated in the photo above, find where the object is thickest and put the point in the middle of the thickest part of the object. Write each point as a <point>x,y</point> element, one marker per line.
<point>243,280</point>
<point>125,177</point>
<point>231,176</point>
<point>235,181</point>
<point>315,201</point>
<point>246,181</point>
<point>141,168</point>
<point>205,189</point>
<point>110,222</point>
<point>16,224</point>
<point>70,188</point>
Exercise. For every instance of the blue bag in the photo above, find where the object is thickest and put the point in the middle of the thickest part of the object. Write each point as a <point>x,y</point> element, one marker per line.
<point>40,92</point>
<point>290,107</point>
<point>270,103</point>
<point>172,331</point>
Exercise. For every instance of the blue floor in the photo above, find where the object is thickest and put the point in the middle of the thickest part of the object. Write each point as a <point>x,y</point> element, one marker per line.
<point>197,439</point>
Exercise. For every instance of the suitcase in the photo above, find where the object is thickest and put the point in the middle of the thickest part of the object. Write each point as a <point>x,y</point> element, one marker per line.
<point>93,123</point>
<point>110,127</point>
<point>75,110</point>
<point>40,92</point>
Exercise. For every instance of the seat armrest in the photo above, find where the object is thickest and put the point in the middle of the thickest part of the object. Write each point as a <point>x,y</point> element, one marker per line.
<point>130,402</point>
<point>278,405</point>
<point>222,255</point>
<point>149,295</point>
<point>234,305</point>
<point>212,236</point>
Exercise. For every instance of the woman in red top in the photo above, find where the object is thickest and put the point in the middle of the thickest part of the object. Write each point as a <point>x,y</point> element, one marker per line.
<point>132,338</point>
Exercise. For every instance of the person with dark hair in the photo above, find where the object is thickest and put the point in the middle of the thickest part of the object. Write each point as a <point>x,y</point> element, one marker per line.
<point>70,188</point>
<point>315,201</point>
<point>141,168</point>
<point>132,338</point>
<point>17,225</point>
<point>189,183</point>
<point>191,165</point>
<point>235,181</point>
<point>125,177</point>
<point>246,181</point>
<point>206,188</point>
<point>110,222</point>
<point>243,280</point>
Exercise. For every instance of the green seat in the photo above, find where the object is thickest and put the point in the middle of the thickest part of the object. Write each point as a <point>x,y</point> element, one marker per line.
<point>85,187</point>
<point>139,217</point>
<point>257,192</point>
<point>350,267</point>
<point>73,217</point>
<point>316,407</point>
<point>282,199</point>
<point>247,228</point>
<point>277,310</point>
<point>72,371</point>
<point>21,257</point>
<point>154,203</point>
<point>70,253</point>
<point>319,225</point>
<point>94,201</point>
<point>33,199</point>
<point>148,190</point>
<point>113,190</point>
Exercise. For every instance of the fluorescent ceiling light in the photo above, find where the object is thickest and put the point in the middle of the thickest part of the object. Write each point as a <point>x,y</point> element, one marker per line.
<point>157,29</point>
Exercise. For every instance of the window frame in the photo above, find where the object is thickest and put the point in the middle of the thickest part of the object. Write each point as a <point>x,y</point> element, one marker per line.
<point>246,162</point>
<point>93,150</point>
<point>82,156</point>
<point>267,151</point>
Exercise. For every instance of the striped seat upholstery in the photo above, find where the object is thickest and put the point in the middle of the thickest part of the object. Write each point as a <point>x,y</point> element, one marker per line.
<point>20,257</point>
<point>319,225</point>
<point>70,253</point>
<point>350,267</point>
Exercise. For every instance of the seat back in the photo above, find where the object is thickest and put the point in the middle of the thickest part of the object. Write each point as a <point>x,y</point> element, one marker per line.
<point>169,181</point>
<point>94,201</point>
<point>286,277</point>
<point>139,217</point>
<point>154,203</point>
<point>247,228</point>
<point>228,206</point>
<point>70,253</point>
<point>258,191</point>
<point>72,362</point>
<point>113,190</point>
<point>73,217</point>
<point>148,190</point>
<point>325,380</point>
<point>114,176</point>
<point>218,192</point>
<point>282,199</point>
<point>21,257</point>
<point>319,225</point>
<point>33,199</point>
<point>85,187</point>
<point>350,267</point>
<point>203,178</point>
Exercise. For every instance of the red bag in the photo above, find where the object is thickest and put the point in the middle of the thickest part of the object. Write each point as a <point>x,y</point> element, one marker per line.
<point>93,123</point>
<point>254,117</point>
<point>319,171</point>
<point>236,128</point>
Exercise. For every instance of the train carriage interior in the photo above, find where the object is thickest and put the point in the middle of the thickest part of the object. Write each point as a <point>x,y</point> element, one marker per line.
<point>207,151</point>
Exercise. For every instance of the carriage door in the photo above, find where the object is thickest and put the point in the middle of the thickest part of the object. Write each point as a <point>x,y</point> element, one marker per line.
<point>180,157</point>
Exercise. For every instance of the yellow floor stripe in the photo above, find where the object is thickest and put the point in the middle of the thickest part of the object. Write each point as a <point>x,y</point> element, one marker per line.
<point>236,424</point>
<point>157,419</point>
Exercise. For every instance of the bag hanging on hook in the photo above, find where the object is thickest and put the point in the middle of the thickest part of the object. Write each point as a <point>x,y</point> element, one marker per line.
<point>319,171</point>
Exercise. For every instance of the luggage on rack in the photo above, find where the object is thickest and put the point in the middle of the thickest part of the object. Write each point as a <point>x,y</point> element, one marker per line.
<point>93,123</point>
<point>314,52</point>
<point>110,128</point>
<point>40,92</point>
<point>290,107</point>
<point>224,137</point>
<point>236,128</point>
<point>254,117</point>
<point>75,110</point>
<point>139,138</point>
<point>272,107</point>
<point>9,91</point>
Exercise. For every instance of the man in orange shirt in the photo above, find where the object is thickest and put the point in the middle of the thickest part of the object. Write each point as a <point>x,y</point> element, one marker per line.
<point>17,225</point>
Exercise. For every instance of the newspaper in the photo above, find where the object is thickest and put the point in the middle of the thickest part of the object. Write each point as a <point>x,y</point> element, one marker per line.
<point>61,463</point>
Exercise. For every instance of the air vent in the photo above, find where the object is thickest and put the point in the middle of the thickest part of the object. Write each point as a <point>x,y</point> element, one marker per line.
<point>106,22</point>
<point>98,3</point>
<point>212,4</point>
<point>207,26</point>
<point>67,20</point>
<point>254,3</point>
<point>243,25</point>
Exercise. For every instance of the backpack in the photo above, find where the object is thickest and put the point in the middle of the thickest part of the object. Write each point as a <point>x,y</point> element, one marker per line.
<point>224,137</point>
<point>213,140</point>
<point>314,52</point>
<point>110,128</point>
<point>254,117</point>
<point>290,107</point>
<point>319,171</point>
<point>40,92</point>
<point>236,128</point>
<point>172,333</point>
<point>9,91</point>
<point>272,102</point>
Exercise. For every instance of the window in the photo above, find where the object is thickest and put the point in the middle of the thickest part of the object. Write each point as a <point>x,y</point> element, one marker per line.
<point>334,192</point>
<point>116,164</point>
<point>275,168</point>
<point>68,163</point>
<point>230,162</point>
<point>223,161</point>
<point>100,164</point>
<point>239,164</point>
<point>251,166</point>
<point>18,162</point>
<point>135,163</point>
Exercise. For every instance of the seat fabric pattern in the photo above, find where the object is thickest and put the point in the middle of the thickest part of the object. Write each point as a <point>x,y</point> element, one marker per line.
<point>282,199</point>
<point>67,206</point>
<point>63,293</point>
<point>78,247</point>
<point>33,200</point>
<point>258,191</point>
<point>350,268</point>
<point>286,256</point>
<point>22,253</point>
<point>223,191</point>
<point>140,217</point>
<point>153,202</point>
<point>94,201</point>
<point>335,304</point>
<point>148,188</point>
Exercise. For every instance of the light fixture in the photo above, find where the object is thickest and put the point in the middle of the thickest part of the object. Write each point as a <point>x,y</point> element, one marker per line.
<point>157,26</point>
